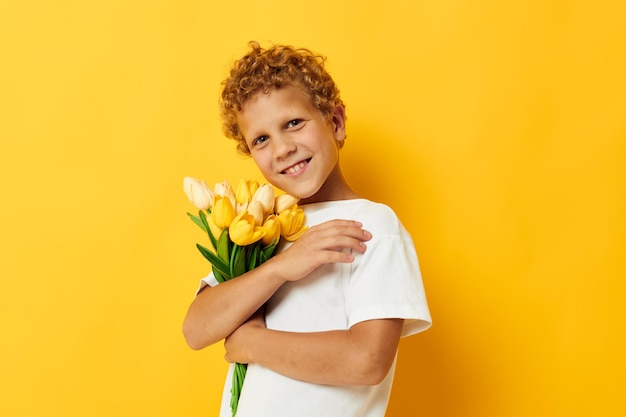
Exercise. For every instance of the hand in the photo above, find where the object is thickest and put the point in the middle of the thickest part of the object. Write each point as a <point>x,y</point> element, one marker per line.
<point>236,343</point>
<point>329,242</point>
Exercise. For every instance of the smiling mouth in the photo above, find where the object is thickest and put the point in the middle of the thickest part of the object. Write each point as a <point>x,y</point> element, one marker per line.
<point>296,167</point>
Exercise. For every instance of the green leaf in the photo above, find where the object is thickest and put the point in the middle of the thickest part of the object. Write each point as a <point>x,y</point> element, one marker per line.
<point>223,246</point>
<point>267,252</point>
<point>198,221</point>
<point>254,258</point>
<point>207,229</point>
<point>238,261</point>
<point>215,261</point>
<point>218,276</point>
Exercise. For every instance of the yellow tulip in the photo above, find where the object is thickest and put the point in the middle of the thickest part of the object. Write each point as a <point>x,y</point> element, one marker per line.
<point>243,195</point>
<point>225,190</point>
<point>284,202</point>
<point>272,230</point>
<point>216,231</point>
<point>265,195</point>
<point>242,230</point>
<point>292,223</point>
<point>198,192</point>
<point>223,212</point>
<point>253,186</point>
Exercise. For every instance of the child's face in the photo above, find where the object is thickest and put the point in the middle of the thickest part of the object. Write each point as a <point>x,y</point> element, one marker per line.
<point>293,144</point>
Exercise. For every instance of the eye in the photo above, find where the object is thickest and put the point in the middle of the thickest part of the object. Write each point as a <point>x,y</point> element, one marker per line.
<point>259,140</point>
<point>293,123</point>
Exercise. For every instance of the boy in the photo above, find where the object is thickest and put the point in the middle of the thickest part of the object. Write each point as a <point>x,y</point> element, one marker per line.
<point>319,323</point>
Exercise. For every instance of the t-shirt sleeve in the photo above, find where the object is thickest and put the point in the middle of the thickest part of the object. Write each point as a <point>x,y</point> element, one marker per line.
<point>386,282</point>
<point>208,281</point>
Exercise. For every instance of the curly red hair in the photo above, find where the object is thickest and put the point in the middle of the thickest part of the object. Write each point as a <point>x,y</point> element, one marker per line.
<point>273,68</point>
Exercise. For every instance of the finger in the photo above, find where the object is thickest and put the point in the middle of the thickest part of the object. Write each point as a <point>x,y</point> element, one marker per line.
<point>331,256</point>
<point>343,222</point>
<point>337,223</point>
<point>338,230</point>
<point>337,239</point>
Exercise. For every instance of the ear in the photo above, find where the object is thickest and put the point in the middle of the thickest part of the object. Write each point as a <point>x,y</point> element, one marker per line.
<point>338,123</point>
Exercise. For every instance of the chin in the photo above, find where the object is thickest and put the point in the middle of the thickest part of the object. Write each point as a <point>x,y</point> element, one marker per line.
<point>311,198</point>
<point>302,192</point>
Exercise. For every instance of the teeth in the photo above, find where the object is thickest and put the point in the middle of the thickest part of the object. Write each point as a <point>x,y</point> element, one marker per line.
<point>295,168</point>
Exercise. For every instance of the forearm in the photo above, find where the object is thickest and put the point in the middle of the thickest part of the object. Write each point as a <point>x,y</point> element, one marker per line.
<point>320,358</point>
<point>217,311</point>
<point>361,355</point>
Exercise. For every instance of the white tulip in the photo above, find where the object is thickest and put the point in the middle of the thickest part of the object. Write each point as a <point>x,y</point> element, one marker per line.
<point>255,208</point>
<point>285,202</point>
<point>265,196</point>
<point>198,193</point>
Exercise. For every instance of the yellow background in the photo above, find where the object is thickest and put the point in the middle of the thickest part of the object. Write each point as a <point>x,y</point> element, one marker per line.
<point>496,130</point>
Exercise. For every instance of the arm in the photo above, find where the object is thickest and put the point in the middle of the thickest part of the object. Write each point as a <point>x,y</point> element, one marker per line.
<point>361,355</point>
<point>216,312</point>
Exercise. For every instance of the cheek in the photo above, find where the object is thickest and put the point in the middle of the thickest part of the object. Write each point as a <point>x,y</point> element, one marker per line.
<point>264,164</point>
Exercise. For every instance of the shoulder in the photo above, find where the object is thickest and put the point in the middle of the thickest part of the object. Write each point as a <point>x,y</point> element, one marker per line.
<point>376,217</point>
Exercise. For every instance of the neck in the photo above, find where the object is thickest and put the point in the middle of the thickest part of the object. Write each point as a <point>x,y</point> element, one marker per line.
<point>335,188</point>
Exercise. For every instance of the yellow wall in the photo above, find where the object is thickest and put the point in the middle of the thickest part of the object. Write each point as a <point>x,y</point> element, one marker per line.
<point>496,129</point>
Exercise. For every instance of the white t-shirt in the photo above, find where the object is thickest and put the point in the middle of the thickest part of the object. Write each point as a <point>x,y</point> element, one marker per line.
<point>384,282</point>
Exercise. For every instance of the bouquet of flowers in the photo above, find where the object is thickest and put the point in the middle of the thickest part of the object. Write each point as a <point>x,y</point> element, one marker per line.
<point>244,228</point>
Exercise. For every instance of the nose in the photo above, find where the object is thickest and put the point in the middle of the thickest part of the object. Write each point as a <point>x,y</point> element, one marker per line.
<point>283,146</point>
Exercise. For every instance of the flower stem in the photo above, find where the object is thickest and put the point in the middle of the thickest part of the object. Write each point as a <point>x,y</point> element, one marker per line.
<point>239,374</point>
